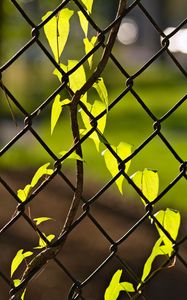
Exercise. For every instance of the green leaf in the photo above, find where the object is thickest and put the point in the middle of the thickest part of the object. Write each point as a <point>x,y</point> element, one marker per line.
<point>17,260</point>
<point>127,286</point>
<point>123,150</point>
<point>95,110</point>
<point>43,170</point>
<point>115,287</point>
<point>83,22</point>
<point>56,110</point>
<point>88,4</point>
<point>89,45</point>
<point>57,31</point>
<point>72,155</point>
<point>148,265</point>
<point>77,79</point>
<point>100,87</point>
<point>23,194</point>
<point>42,219</point>
<point>148,182</point>
<point>42,243</point>
<point>16,283</point>
<point>170,219</point>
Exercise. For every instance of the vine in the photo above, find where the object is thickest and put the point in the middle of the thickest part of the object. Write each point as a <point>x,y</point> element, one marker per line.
<point>56,29</point>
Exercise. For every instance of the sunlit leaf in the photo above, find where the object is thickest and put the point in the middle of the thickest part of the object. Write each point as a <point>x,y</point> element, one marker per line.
<point>42,219</point>
<point>57,30</point>
<point>83,22</point>
<point>148,182</point>
<point>95,110</point>
<point>17,260</point>
<point>127,286</point>
<point>72,155</point>
<point>115,287</point>
<point>23,194</point>
<point>148,265</point>
<point>123,150</point>
<point>56,110</point>
<point>16,283</point>
<point>88,4</point>
<point>170,220</point>
<point>89,45</point>
<point>77,79</point>
<point>43,170</point>
<point>42,243</point>
<point>100,87</point>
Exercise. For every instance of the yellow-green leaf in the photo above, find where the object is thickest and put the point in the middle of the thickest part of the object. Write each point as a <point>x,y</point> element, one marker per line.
<point>88,4</point>
<point>42,219</point>
<point>16,283</point>
<point>89,45</point>
<point>148,265</point>
<point>77,79</point>
<point>83,22</point>
<point>115,287</point>
<point>55,112</point>
<point>148,182</point>
<point>43,170</point>
<point>42,243</point>
<point>123,150</point>
<point>57,31</point>
<point>100,87</point>
<point>23,194</point>
<point>95,110</point>
<point>170,220</point>
<point>17,260</point>
<point>127,286</point>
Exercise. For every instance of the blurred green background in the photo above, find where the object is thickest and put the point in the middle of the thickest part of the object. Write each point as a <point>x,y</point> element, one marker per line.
<point>161,86</point>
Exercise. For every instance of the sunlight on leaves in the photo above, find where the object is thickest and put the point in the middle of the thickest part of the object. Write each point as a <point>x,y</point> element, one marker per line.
<point>123,150</point>
<point>77,79</point>
<point>42,243</point>
<point>56,110</point>
<point>148,265</point>
<point>16,283</point>
<point>42,219</point>
<point>148,182</point>
<point>115,287</point>
<point>170,219</point>
<point>89,45</point>
<point>57,31</point>
<point>43,170</point>
<point>100,87</point>
<point>83,22</point>
<point>88,4</point>
<point>17,260</point>
<point>95,110</point>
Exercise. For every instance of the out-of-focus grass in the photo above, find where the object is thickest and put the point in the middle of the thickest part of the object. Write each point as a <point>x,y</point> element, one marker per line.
<point>127,122</point>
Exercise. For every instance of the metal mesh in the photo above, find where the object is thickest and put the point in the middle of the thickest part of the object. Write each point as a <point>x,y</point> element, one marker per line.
<point>87,206</point>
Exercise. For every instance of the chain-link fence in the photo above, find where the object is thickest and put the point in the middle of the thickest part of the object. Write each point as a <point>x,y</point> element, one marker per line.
<point>81,270</point>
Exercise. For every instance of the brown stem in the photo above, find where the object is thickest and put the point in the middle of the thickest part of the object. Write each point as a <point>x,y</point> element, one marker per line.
<point>42,258</point>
